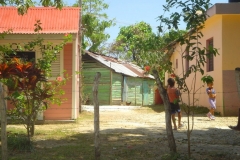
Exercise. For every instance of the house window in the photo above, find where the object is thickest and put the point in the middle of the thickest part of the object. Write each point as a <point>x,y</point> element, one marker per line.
<point>210,57</point>
<point>186,61</point>
<point>25,56</point>
<point>176,64</point>
<point>56,66</point>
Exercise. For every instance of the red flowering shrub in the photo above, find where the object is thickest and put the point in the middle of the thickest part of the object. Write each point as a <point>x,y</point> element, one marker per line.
<point>147,68</point>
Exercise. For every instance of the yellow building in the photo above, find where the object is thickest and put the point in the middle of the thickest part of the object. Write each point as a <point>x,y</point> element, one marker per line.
<point>222,30</point>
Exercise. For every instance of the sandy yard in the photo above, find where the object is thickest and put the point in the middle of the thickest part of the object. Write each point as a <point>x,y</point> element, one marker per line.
<point>139,133</point>
<point>210,138</point>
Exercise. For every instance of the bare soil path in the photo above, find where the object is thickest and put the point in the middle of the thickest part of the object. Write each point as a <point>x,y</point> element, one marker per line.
<point>209,140</point>
<point>137,134</point>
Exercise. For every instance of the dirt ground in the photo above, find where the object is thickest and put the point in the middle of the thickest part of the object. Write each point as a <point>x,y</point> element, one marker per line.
<point>142,132</point>
<point>211,139</point>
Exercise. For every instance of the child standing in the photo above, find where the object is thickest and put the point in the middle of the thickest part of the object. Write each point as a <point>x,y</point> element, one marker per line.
<point>212,100</point>
<point>173,95</point>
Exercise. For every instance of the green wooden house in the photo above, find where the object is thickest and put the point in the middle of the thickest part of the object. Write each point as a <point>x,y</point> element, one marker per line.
<point>121,83</point>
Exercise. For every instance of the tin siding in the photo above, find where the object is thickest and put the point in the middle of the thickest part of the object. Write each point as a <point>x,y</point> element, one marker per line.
<point>63,112</point>
<point>117,80</point>
<point>90,68</point>
<point>134,90</point>
<point>151,92</point>
<point>148,94</point>
<point>145,93</point>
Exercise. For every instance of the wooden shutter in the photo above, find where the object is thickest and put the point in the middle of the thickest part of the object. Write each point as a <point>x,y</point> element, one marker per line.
<point>56,66</point>
<point>210,58</point>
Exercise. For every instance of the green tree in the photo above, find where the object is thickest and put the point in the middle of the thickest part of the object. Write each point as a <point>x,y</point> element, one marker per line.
<point>134,40</point>
<point>30,91</point>
<point>22,8</point>
<point>138,43</point>
<point>23,5</point>
<point>194,15</point>
<point>94,23</point>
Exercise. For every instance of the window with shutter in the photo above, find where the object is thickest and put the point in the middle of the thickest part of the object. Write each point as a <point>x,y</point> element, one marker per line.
<point>210,57</point>
<point>25,56</point>
<point>56,67</point>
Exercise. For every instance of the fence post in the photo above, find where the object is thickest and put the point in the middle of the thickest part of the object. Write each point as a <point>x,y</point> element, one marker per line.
<point>3,110</point>
<point>96,117</point>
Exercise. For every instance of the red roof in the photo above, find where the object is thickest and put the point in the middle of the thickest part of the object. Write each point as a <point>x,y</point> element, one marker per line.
<point>53,20</point>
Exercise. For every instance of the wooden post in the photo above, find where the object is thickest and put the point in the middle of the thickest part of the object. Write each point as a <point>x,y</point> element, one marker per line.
<point>3,109</point>
<point>96,117</point>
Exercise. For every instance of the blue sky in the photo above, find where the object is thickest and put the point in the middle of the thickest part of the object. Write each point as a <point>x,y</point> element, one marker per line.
<point>128,12</point>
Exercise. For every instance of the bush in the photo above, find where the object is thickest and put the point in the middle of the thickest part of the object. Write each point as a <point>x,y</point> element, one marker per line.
<point>19,142</point>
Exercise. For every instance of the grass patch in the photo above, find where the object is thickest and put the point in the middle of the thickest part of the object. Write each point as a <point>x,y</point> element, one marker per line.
<point>156,108</point>
<point>199,110</point>
<point>19,142</point>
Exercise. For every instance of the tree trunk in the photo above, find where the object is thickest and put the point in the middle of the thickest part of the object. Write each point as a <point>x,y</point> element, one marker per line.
<point>238,124</point>
<point>164,96</point>
<point>32,129</point>
<point>3,125</point>
<point>96,117</point>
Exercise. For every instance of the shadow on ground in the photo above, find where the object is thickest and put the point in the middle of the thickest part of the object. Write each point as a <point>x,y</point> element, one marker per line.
<point>139,143</point>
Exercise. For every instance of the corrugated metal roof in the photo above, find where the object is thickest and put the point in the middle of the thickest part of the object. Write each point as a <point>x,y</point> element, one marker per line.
<point>53,20</point>
<point>119,66</point>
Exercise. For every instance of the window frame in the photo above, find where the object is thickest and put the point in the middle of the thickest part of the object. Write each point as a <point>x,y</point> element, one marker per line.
<point>210,59</point>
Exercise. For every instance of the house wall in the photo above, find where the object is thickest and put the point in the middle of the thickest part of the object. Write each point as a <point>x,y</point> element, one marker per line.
<point>139,91</point>
<point>117,87</point>
<point>63,112</point>
<point>213,29</point>
<point>231,60</point>
<point>90,68</point>
<point>133,91</point>
<point>70,108</point>
<point>114,88</point>
<point>148,92</point>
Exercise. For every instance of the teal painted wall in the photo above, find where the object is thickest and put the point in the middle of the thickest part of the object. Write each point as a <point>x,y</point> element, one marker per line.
<point>151,93</point>
<point>134,90</point>
<point>139,91</point>
<point>117,80</point>
<point>88,73</point>
<point>114,88</point>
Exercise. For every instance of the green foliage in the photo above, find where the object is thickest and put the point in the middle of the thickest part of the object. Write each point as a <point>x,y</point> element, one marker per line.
<point>207,79</point>
<point>29,89</point>
<point>139,44</point>
<point>133,40</point>
<point>170,156</point>
<point>23,6</point>
<point>189,48</point>
<point>19,142</point>
<point>94,24</point>
<point>193,52</point>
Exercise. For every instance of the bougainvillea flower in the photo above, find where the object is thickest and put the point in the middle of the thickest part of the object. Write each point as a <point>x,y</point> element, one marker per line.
<point>173,75</point>
<point>147,68</point>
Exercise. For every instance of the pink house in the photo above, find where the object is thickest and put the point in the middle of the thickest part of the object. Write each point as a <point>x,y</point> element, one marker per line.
<point>55,24</point>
